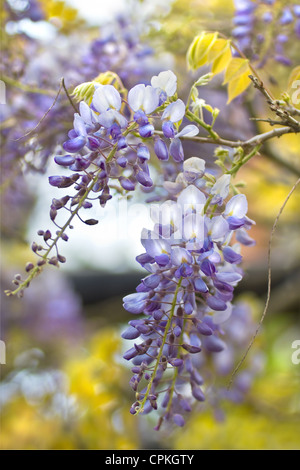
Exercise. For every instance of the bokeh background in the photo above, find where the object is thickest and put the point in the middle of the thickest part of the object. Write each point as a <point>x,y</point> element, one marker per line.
<point>64,384</point>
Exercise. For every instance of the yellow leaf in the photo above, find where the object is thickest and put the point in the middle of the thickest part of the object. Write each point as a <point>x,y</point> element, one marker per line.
<point>198,52</point>
<point>221,62</point>
<point>238,85</point>
<point>218,47</point>
<point>236,67</point>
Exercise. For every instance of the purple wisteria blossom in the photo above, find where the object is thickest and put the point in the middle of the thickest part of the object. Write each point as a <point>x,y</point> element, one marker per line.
<point>193,266</point>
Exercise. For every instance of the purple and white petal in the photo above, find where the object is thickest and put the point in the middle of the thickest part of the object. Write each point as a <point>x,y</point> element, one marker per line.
<point>217,227</point>
<point>188,131</point>
<point>221,186</point>
<point>191,198</point>
<point>166,81</point>
<point>174,112</point>
<point>237,206</point>
<point>79,125</point>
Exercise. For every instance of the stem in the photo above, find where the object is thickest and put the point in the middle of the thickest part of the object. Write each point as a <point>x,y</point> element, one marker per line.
<point>141,408</point>
<point>244,160</point>
<point>192,117</point>
<point>172,388</point>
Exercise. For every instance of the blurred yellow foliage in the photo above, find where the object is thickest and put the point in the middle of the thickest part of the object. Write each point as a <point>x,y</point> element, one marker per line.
<point>99,386</point>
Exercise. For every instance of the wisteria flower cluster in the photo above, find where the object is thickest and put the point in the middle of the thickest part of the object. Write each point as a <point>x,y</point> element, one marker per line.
<point>107,152</point>
<point>263,43</point>
<point>193,269</point>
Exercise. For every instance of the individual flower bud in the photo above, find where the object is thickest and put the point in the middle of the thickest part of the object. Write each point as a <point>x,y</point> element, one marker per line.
<point>60,181</point>
<point>53,213</point>
<point>91,222</point>
<point>143,153</point>
<point>126,183</point>
<point>176,150</point>
<point>215,303</point>
<point>64,160</point>
<point>197,393</point>
<point>161,149</point>
<point>178,420</point>
<point>29,267</point>
<point>41,262</point>
<point>144,179</point>
<point>140,118</point>
<point>168,129</point>
<point>122,161</point>
<point>122,144</point>
<point>146,131</point>
<point>34,247</point>
<point>47,235</point>
<point>191,349</point>
<point>74,145</point>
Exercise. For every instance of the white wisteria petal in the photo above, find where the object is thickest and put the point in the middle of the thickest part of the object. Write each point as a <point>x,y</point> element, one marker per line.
<point>217,227</point>
<point>106,97</point>
<point>180,255</point>
<point>166,81</point>
<point>143,97</point>
<point>191,198</point>
<point>79,125</point>
<point>193,167</point>
<point>168,213</point>
<point>174,112</point>
<point>151,99</point>
<point>193,228</point>
<point>86,113</point>
<point>221,186</point>
<point>188,131</point>
<point>136,97</point>
<point>237,206</point>
<point>108,118</point>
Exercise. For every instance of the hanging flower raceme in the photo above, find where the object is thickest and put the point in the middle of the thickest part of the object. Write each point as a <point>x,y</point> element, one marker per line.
<point>186,296</point>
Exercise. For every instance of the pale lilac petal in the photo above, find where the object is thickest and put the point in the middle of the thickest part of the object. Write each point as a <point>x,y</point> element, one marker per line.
<point>191,198</point>
<point>217,227</point>
<point>106,97</point>
<point>174,112</point>
<point>136,97</point>
<point>166,81</point>
<point>113,97</point>
<point>79,125</point>
<point>86,113</point>
<point>188,131</point>
<point>221,187</point>
<point>180,256</point>
<point>143,97</point>
<point>151,99</point>
<point>108,118</point>
<point>193,227</point>
<point>230,277</point>
<point>168,213</point>
<point>193,168</point>
<point>237,206</point>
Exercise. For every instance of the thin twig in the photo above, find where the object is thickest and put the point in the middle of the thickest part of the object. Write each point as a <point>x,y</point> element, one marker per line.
<point>45,115</point>
<point>269,286</point>
<point>68,96</point>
